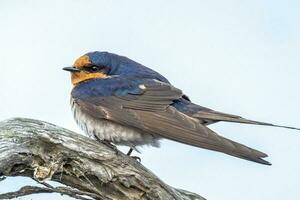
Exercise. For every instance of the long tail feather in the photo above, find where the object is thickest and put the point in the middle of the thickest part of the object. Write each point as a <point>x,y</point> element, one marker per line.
<point>218,116</point>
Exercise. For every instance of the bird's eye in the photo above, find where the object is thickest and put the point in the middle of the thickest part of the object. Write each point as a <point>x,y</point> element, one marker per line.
<point>94,68</point>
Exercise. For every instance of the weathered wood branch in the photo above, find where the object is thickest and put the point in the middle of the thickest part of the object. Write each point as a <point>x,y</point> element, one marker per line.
<point>89,169</point>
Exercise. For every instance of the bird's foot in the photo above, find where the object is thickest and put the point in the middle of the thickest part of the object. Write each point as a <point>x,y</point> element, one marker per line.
<point>134,157</point>
<point>110,145</point>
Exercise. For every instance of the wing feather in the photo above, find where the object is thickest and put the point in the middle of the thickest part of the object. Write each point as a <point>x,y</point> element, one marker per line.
<point>151,111</point>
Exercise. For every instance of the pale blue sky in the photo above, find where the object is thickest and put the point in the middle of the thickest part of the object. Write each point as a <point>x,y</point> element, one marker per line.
<point>240,57</point>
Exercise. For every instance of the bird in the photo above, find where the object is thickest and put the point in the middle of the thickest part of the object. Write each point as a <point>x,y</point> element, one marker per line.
<point>119,101</point>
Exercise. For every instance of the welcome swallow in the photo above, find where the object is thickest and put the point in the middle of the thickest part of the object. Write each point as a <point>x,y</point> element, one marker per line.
<point>118,100</point>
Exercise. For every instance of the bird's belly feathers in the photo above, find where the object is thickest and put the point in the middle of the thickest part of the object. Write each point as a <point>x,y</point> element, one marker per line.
<point>110,131</point>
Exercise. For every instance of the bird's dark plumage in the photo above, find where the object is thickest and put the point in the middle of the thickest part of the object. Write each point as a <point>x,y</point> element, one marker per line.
<point>137,98</point>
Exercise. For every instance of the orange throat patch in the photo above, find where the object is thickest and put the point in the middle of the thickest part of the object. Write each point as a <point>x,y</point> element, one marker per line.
<point>78,77</point>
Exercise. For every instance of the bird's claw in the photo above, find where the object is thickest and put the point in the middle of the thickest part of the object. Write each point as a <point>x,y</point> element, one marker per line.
<point>136,158</point>
<point>110,145</point>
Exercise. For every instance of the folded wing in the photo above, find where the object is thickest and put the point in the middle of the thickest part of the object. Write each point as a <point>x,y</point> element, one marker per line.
<point>148,107</point>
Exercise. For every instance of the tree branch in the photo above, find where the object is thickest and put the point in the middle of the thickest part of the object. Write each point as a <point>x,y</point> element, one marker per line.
<point>92,170</point>
<point>27,190</point>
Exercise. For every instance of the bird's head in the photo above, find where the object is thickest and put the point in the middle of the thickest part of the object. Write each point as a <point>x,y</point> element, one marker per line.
<point>99,65</point>
<point>90,66</point>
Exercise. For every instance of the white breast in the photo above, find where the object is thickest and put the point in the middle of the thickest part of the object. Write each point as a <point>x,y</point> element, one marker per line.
<point>110,131</point>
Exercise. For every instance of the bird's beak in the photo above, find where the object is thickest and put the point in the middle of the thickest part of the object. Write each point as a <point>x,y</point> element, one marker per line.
<point>71,69</point>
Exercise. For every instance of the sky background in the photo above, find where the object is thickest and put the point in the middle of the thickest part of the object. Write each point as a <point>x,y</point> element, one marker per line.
<point>239,57</point>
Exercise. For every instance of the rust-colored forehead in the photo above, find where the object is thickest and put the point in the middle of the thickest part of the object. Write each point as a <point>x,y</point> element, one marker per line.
<point>82,61</point>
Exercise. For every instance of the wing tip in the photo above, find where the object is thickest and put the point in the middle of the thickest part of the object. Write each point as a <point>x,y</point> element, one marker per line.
<point>258,159</point>
<point>264,162</point>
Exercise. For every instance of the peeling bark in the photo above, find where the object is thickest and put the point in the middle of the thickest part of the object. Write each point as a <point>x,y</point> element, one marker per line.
<point>89,168</point>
